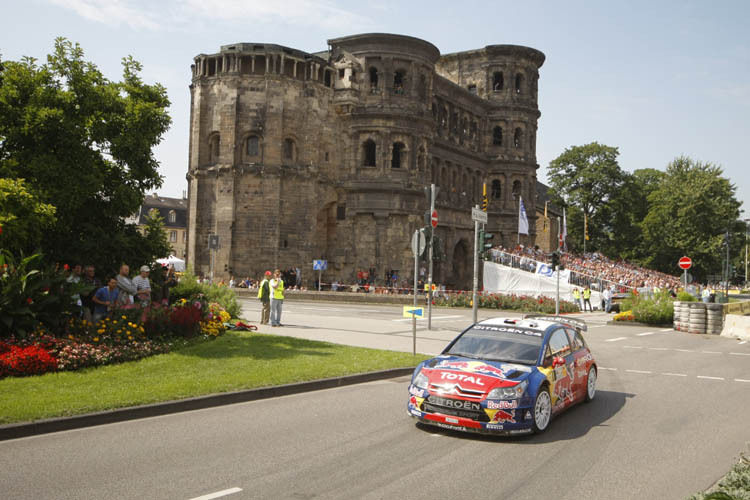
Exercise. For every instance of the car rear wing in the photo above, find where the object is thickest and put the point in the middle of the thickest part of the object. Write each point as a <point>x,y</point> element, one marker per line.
<point>578,324</point>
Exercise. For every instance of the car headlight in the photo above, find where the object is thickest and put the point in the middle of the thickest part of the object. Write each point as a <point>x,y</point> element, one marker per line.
<point>514,392</point>
<point>421,381</point>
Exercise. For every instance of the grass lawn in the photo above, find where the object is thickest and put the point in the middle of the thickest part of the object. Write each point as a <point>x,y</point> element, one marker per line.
<point>234,361</point>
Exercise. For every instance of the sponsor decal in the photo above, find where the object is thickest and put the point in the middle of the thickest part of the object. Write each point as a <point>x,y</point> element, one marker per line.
<point>520,331</point>
<point>461,377</point>
<point>416,413</point>
<point>563,389</point>
<point>451,427</point>
<point>416,392</point>
<point>520,431</point>
<point>472,366</point>
<point>451,420</point>
<point>454,403</point>
<point>584,359</point>
<point>527,416</point>
<point>416,402</point>
<point>501,416</point>
<point>502,405</point>
<point>494,427</point>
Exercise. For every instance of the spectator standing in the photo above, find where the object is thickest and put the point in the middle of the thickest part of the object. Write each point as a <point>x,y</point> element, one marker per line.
<point>75,277</point>
<point>277,297</point>
<point>105,299</point>
<point>89,279</point>
<point>607,295</point>
<point>125,286</point>
<point>577,297</point>
<point>231,282</point>
<point>587,298</point>
<point>143,287</point>
<point>264,294</point>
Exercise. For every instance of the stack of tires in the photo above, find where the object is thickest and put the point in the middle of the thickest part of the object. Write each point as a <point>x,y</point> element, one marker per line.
<point>714,318</point>
<point>677,315</point>
<point>697,322</point>
<point>682,316</point>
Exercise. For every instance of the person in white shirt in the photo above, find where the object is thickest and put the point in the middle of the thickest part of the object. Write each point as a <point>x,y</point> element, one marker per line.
<point>143,287</point>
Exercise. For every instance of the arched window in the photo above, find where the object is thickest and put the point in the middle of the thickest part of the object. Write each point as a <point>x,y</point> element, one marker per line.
<point>213,148</point>
<point>252,147</point>
<point>368,153</point>
<point>172,217</point>
<point>399,81</point>
<point>398,153</point>
<point>497,81</point>
<point>497,136</point>
<point>516,189</point>
<point>422,88</point>
<point>327,78</point>
<point>373,80</point>
<point>288,151</point>
<point>497,189</point>
<point>519,83</point>
<point>518,138</point>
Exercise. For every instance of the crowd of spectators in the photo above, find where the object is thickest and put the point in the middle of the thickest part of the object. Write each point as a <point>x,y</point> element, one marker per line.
<point>594,265</point>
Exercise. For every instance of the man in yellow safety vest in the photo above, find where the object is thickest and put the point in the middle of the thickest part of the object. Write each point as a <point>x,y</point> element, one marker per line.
<point>264,294</point>
<point>277,297</point>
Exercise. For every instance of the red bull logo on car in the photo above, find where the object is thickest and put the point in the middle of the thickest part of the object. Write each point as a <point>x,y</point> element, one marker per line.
<point>501,416</point>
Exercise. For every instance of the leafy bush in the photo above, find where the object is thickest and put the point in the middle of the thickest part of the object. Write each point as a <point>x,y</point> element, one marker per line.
<point>657,309</point>
<point>734,486</point>
<point>32,294</point>
<point>189,289</point>
<point>505,302</point>
<point>686,297</point>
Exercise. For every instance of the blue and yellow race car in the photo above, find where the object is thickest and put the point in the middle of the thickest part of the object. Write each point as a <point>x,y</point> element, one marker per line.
<point>505,376</point>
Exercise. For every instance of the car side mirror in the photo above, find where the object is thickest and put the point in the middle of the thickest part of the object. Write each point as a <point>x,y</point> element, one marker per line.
<point>558,361</point>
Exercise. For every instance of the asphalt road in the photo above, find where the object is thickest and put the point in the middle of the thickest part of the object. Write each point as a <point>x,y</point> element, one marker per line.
<point>669,418</point>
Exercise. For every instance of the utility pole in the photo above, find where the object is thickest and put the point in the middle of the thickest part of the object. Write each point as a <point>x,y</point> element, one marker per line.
<point>432,240</point>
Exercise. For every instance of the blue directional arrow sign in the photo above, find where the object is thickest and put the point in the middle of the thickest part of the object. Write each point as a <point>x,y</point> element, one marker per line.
<point>411,311</point>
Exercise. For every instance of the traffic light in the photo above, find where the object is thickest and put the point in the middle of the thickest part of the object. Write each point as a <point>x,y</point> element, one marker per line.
<point>486,244</point>
<point>555,256</point>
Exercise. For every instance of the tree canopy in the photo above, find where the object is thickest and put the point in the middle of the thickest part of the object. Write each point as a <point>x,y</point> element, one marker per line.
<point>84,145</point>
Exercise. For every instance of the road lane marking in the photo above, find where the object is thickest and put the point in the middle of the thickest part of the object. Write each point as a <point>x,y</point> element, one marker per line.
<point>741,380</point>
<point>740,353</point>
<point>615,339</point>
<point>667,330</point>
<point>218,494</point>
<point>612,369</point>
<point>631,347</point>
<point>743,342</point>
<point>637,371</point>
<point>675,374</point>
<point>658,348</point>
<point>710,352</point>
<point>710,378</point>
<point>644,334</point>
<point>684,350</point>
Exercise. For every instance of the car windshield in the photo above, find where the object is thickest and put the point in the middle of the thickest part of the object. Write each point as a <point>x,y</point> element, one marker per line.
<point>499,343</point>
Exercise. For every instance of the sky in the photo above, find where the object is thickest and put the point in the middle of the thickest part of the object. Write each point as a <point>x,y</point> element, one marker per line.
<point>656,79</point>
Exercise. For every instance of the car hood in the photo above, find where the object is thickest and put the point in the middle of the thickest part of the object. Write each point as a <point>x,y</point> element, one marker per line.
<point>472,374</point>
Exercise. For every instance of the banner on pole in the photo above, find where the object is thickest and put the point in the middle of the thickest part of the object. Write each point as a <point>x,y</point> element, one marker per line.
<point>523,222</point>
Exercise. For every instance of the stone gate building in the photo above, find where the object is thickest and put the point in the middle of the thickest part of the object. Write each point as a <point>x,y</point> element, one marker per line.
<point>297,156</point>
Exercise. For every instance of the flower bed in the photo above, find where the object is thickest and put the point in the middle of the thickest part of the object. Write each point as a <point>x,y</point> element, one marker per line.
<point>127,335</point>
<point>624,316</point>
<point>511,302</point>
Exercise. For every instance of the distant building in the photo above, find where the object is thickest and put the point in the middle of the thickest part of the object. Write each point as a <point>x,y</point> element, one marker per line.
<point>547,231</point>
<point>174,213</point>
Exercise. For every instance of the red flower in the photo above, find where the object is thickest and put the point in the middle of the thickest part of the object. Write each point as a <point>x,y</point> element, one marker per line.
<point>66,267</point>
<point>29,300</point>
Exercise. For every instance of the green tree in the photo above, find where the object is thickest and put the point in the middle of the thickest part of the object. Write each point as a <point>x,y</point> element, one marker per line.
<point>584,179</point>
<point>689,214</point>
<point>23,218</point>
<point>84,144</point>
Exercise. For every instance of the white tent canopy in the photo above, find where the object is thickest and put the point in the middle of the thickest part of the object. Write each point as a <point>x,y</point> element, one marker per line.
<point>178,264</point>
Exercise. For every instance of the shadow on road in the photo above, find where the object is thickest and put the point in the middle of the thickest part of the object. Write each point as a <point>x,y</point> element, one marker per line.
<point>571,424</point>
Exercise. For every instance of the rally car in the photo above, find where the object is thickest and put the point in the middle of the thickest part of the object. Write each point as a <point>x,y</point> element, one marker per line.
<point>505,376</point>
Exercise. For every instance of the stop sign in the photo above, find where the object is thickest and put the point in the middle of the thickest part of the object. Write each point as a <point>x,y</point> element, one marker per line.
<point>434,218</point>
<point>685,263</point>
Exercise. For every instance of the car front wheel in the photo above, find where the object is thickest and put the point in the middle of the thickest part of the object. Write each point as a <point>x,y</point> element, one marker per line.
<point>542,411</point>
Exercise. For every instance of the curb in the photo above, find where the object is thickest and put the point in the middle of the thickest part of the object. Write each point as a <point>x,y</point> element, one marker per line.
<point>15,431</point>
<point>633,323</point>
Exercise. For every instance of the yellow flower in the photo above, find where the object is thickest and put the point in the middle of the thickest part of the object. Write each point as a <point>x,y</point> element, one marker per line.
<point>96,339</point>
<point>124,317</point>
<point>70,337</point>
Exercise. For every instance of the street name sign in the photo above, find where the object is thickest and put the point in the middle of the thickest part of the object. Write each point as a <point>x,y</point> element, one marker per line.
<point>479,215</point>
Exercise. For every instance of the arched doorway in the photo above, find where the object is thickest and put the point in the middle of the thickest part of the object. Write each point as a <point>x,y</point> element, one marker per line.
<point>461,270</point>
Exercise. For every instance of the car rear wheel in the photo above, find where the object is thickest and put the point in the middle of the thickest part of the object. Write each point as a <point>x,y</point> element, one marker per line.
<point>542,411</point>
<point>591,384</point>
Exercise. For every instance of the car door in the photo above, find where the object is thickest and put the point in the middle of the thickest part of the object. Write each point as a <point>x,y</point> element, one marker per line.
<point>563,390</point>
<point>581,361</point>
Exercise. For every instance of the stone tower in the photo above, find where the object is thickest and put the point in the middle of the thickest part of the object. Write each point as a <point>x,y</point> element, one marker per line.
<point>298,156</point>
